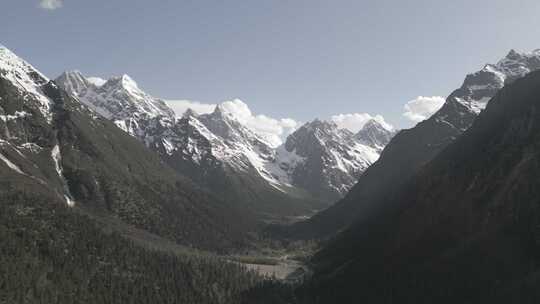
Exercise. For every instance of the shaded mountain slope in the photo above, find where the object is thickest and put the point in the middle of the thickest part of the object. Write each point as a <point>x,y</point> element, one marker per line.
<point>463,230</point>
<point>410,149</point>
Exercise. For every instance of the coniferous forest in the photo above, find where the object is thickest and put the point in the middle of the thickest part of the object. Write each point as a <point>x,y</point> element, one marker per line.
<point>48,254</point>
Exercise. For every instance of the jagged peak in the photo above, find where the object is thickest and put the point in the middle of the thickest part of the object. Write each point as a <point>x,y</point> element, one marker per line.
<point>371,125</point>
<point>73,81</point>
<point>77,76</point>
<point>190,113</point>
<point>513,54</point>
<point>121,80</point>
<point>375,123</point>
<point>73,75</point>
<point>220,112</point>
<point>320,124</point>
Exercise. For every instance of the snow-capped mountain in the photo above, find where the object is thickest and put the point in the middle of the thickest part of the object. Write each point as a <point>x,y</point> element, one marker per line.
<point>332,158</point>
<point>464,104</point>
<point>28,81</point>
<point>56,152</point>
<point>374,134</point>
<point>26,112</point>
<point>318,162</point>
<point>118,99</point>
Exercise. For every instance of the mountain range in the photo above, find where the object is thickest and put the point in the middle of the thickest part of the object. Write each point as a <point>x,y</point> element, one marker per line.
<point>55,147</point>
<point>316,165</point>
<point>109,196</point>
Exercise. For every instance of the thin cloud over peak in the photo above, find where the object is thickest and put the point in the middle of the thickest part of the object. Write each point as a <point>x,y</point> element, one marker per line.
<point>355,121</point>
<point>51,4</point>
<point>422,107</point>
<point>181,106</point>
<point>274,130</point>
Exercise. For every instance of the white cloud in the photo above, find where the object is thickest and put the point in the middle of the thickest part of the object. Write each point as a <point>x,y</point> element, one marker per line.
<point>180,106</point>
<point>51,4</point>
<point>356,121</point>
<point>422,107</point>
<point>274,130</point>
<point>97,81</point>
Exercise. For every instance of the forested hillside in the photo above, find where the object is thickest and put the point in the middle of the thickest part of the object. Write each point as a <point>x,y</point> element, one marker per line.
<point>50,254</point>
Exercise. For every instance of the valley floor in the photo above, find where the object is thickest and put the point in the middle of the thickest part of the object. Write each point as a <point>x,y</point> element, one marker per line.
<point>284,262</point>
<point>283,269</point>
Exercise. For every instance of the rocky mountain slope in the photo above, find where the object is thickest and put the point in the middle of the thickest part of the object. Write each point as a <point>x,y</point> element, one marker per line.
<point>410,149</point>
<point>464,229</point>
<point>333,159</point>
<point>316,165</point>
<point>54,147</point>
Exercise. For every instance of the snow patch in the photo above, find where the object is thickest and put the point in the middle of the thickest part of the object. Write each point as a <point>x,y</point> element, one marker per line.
<point>57,158</point>
<point>18,114</point>
<point>11,165</point>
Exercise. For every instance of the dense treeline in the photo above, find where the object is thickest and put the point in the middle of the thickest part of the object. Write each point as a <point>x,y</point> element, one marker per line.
<point>270,292</point>
<point>51,254</point>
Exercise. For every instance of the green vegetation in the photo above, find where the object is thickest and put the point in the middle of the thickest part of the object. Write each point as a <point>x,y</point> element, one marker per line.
<point>50,254</point>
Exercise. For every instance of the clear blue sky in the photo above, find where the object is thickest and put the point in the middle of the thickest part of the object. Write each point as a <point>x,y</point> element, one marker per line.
<point>299,59</point>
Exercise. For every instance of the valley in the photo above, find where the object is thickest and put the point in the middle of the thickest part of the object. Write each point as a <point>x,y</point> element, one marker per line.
<point>167,187</point>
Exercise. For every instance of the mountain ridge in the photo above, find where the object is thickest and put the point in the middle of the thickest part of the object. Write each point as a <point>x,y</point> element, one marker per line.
<point>463,229</point>
<point>231,150</point>
<point>411,148</point>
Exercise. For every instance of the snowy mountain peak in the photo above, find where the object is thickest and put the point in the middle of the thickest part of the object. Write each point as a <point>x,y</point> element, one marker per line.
<point>320,126</point>
<point>516,64</point>
<point>479,87</point>
<point>73,82</point>
<point>26,79</point>
<point>319,157</point>
<point>124,82</point>
<point>513,54</point>
<point>375,135</point>
<point>373,124</point>
<point>334,158</point>
<point>190,113</point>
<point>10,62</point>
<point>221,112</point>
<point>119,98</point>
